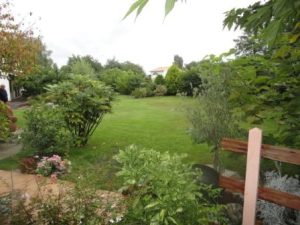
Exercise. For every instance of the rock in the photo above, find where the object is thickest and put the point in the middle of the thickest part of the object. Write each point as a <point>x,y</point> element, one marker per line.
<point>209,175</point>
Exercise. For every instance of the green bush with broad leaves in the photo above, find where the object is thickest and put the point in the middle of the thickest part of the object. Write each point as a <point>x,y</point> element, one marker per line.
<point>4,128</point>
<point>83,102</point>
<point>163,190</point>
<point>46,130</point>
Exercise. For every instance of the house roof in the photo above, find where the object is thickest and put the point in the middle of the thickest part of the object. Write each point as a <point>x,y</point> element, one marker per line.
<point>160,69</point>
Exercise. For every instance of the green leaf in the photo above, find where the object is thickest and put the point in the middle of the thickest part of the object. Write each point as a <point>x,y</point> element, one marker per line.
<point>294,38</point>
<point>151,205</point>
<point>171,219</point>
<point>272,31</point>
<point>169,6</point>
<point>133,7</point>
<point>142,5</point>
<point>162,215</point>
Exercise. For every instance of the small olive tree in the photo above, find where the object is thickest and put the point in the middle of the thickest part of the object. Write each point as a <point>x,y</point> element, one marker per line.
<point>84,102</point>
<point>210,117</point>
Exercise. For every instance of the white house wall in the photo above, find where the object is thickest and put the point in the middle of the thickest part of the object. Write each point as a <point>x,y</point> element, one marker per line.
<point>6,83</point>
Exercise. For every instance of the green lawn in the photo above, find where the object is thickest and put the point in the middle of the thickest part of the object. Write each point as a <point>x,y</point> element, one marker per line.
<point>159,123</point>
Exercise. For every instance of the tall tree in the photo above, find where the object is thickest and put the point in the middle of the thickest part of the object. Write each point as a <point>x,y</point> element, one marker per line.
<point>172,79</point>
<point>18,47</point>
<point>178,61</point>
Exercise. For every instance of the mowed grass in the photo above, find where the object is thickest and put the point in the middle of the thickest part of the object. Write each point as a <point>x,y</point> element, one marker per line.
<point>159,123</point>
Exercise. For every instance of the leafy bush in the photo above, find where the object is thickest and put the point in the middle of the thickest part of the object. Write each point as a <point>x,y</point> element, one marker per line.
<point>36,82</point>
<point>160,90</point>
<point>172,79</point>
<point>275,214</point>
<point>163,190</point>
<point>4,128</point>
<point>122,81</point>
<point>83,103</point>
<point>28,165</point>
<point>159,80</point>
<point>82,67</point>
<point>139,93</point>
<point>189,81</point>
<point>46,130</point>
<point>53,165</point>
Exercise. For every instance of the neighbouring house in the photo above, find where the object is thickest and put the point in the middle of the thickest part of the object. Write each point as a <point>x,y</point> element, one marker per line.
<point>158,71</point>
<point>7,81</point>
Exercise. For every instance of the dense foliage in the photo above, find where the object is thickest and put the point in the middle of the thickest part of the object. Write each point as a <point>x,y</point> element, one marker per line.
<point>4,128</point>
<point>45,130</point>
<point>190,82</point>
<point>271,73</point>
<point>211,116</point>
<point>18,47</point>
<point>173,77</point>
<point>160,90</point>
<point>159,80</point>
<point>83,103</point>
<point>163,190</point>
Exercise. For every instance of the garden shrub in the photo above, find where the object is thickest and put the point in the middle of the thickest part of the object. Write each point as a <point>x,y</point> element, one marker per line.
<point>160,90</point>
<point>139,93</point>
<point>83,103</point>
<point>189,80</point>
<point>28,165</point>
<point>54,166</point>
<point>4,128</point>
<point>172,79</point>
<point>159,80</point>
<point>46,130</point>
<point>163,190</point>
<point>275,214</point>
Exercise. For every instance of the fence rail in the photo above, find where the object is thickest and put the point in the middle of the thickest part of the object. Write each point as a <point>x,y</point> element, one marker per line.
<point>255,150</point>
<point>268,194</point>
<point>281,154</point>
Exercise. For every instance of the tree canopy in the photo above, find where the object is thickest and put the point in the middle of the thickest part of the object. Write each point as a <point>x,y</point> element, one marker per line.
<point>18,47</point>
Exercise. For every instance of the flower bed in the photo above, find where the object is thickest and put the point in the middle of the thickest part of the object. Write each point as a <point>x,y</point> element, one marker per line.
<point>53,166</point>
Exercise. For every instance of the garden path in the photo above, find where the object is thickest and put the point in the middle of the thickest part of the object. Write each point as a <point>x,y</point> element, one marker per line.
<point>9,149</point>
<point>31,185</point>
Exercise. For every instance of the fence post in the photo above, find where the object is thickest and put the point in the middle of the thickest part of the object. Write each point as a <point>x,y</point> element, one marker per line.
<point>252,176</point>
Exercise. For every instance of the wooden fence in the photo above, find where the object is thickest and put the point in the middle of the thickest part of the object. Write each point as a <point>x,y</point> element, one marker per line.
<point>255,150</point>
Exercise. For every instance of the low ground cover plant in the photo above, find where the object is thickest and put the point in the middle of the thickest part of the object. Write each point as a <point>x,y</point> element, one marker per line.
<point>72,205</point>
<point>163,190</point>
<point>275,214</point>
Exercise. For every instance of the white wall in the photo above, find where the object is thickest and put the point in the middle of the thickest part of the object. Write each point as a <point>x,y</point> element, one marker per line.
<point>6,83</point>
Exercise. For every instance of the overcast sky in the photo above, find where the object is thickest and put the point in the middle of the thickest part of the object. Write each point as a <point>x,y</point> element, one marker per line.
<point>95,27</point>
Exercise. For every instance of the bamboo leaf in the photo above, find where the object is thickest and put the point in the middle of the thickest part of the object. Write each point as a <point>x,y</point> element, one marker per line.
<point>169,6</point>
<point>142,5</point>
<point>133,7</point>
